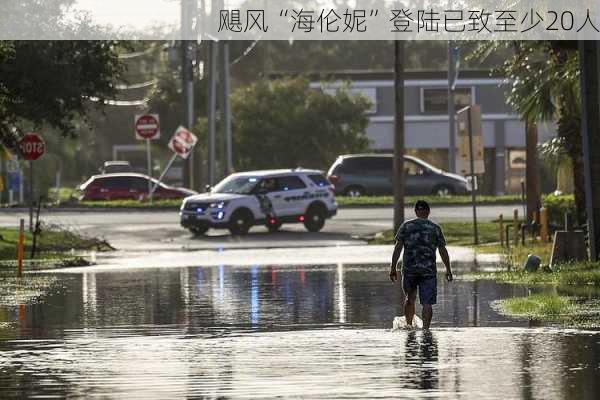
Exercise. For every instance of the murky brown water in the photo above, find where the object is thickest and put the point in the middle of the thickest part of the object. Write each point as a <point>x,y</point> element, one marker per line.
<point>264,332</point>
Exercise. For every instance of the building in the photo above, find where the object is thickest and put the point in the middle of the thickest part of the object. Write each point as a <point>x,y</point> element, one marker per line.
<point>426,118</point>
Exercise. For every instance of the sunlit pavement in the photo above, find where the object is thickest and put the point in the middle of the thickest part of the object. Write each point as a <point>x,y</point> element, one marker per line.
<point>160,231</point>
<point>343,254</point>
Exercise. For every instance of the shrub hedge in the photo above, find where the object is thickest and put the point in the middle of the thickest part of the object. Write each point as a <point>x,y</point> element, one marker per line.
<point>557,206</point>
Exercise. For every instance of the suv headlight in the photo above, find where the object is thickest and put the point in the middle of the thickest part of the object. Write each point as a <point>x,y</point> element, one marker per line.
<point>218,205</point>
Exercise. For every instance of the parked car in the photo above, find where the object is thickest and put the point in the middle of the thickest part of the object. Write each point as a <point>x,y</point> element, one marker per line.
<point>238,202</point>
<point>127,186</point>
<point>371,174</point>
<point>112,167</point>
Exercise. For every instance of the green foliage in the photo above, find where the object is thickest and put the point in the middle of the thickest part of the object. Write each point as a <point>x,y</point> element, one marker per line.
<point>159,204</point>
<point>285,124</point>
<point>553,151</point>
<point>50,82</point>
<point>558,206</point>
<point>539,306</point>
<point>545,79</point>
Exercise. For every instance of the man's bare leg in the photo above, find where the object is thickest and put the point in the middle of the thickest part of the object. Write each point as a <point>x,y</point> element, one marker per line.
<point>427,315</point>
<point>409,306</point>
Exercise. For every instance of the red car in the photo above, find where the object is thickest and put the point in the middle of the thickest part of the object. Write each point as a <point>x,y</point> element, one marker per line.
<point>127,186</point>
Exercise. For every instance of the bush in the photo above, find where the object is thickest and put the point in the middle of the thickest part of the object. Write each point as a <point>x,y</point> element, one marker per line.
<point>558,206</point>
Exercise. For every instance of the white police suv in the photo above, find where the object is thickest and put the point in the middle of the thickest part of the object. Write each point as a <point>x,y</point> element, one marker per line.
<point>270,198</point>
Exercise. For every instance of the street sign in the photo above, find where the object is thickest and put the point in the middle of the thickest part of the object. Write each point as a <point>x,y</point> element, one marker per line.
<point>147,127</point>
<point>182,142</point>
<point>32,146</point>
<point>13,166</point>
<point>470,157</point>
<point>14,181</point>
<point>470,127</point>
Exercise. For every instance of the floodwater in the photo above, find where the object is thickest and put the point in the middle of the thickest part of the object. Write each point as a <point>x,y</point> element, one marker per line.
<point>266,332</point>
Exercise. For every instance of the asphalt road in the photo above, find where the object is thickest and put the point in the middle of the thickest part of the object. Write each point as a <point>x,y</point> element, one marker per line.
<point>160,231</point>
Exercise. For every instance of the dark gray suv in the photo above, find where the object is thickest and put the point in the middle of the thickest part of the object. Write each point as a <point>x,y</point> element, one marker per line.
<point>371,174</point>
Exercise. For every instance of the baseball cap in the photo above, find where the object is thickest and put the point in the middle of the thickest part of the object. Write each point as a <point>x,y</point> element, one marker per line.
<point>422,205</point>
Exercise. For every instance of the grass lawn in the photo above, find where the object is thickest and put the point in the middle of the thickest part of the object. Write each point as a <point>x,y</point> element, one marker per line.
<point>568,311</point>
<point>539,306</point>
<point>343,201</point>
<point>433,200</point>
<point>577,274</point>
<point>456,233</point>
<point>573,299</point>
<point>52,242</point>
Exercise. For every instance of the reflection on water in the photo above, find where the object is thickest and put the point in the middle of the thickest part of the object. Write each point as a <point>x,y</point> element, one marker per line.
<point>228,332</point>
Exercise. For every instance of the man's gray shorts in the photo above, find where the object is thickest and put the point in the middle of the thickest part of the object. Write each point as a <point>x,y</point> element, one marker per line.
<point>427,286</point>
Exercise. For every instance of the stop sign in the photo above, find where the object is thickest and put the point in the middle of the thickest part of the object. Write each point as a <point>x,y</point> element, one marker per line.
<point>147,127</point>
<point>182,142</point>
<point>32,146</point>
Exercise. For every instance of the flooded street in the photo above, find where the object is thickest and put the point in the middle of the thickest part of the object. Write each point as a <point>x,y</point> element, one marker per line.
<point>267,331</point>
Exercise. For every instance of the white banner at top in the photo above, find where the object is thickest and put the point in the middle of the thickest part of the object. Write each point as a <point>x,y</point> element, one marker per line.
<point>300,20</point>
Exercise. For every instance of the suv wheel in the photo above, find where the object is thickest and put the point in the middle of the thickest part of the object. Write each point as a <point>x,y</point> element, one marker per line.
<point>240,222</point>
<point>443,190</point>
<point>354,191</point>
<point>314,219</point>
<point>199,230</point>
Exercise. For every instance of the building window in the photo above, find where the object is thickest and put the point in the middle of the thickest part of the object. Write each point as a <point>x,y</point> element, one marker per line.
<point>435,100</point>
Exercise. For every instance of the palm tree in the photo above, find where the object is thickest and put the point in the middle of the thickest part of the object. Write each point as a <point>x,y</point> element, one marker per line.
<point>545,87</point>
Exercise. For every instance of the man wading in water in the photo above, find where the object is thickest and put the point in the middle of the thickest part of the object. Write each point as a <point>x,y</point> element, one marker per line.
<point>420,238</point>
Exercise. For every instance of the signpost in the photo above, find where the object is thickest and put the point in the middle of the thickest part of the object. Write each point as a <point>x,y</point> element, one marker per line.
<point>15,180</point>
<point>470,160</point>
<point>32,147</point>
<point>182,143</point>
<point>147,127</point>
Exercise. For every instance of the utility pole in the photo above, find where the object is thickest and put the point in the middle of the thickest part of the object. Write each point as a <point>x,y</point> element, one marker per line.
<point>227,110</point>
<point>212,109</point>
<point>589,59</point>
<point>453,55</point>
<point>532,176</point>
<point>398,134</point>
<point>189,9</point>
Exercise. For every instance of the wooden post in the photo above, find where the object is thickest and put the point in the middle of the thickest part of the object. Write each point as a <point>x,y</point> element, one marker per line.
<point>516,227</point>
<point>398,175</point>
<point>589,61</point>
<point>534,224</point>
<point>20,248</point>
<point>501,221</point>
<point>544,231</point>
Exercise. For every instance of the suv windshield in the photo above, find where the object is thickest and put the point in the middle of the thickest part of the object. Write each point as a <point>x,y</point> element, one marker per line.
<point>237,185</point>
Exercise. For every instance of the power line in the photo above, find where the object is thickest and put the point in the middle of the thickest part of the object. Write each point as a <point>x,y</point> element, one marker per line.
<point>121,103</point>
<point>141,85</point>
<point>138,53</point>
<point>246,52</point>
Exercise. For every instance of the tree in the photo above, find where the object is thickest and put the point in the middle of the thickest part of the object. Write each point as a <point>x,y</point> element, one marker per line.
<point>545,86</point>
<point>285,124</point>
<point>51,83</point>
